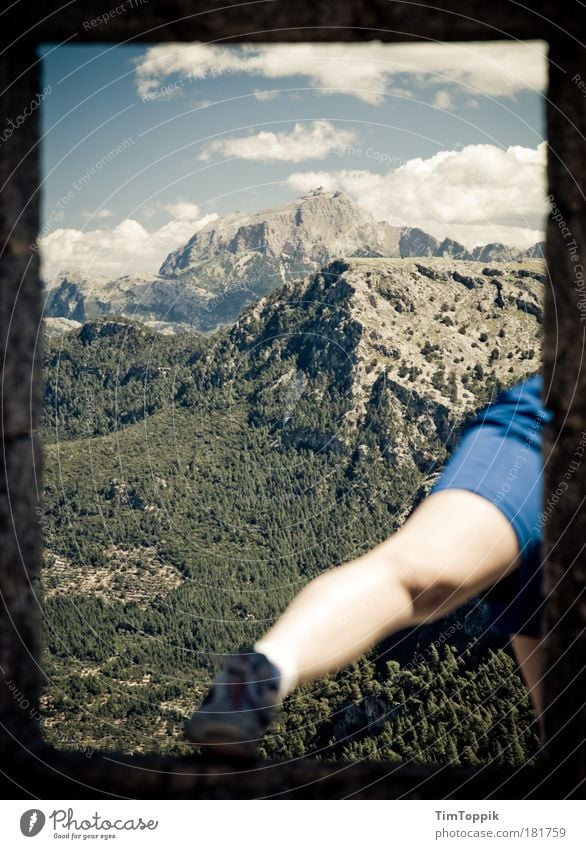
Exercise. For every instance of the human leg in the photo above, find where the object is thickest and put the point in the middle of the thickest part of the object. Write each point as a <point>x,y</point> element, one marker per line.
<point>479,524</point>
<point>453,546</point>
<point>529,654</point>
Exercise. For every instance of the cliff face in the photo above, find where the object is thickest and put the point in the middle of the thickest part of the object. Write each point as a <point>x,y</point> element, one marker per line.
<point>310,232</point>
<point>412,320</point>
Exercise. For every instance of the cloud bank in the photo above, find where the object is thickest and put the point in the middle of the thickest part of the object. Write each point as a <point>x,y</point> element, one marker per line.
<point>476,195</point>
<point>366,71</point>
<point>127,248</point>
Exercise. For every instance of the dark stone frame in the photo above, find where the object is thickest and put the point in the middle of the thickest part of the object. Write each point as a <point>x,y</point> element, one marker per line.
<point>27,765</point>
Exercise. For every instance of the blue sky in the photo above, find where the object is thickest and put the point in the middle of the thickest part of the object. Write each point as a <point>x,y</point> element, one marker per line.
<point>142,145</point>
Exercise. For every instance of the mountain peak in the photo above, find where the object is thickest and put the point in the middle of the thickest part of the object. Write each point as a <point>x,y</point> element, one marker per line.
<point>319,190</point>
<point>322,192</point>
<point>296,238</point>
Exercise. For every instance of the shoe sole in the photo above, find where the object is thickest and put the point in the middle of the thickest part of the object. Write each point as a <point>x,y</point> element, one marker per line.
<point>220,738</point>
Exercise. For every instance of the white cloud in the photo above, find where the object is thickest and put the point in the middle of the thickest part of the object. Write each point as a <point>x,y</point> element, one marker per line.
<point>265,95</point>
<point>442,99</point>
<point>183,210</point>
<point>476,195</point>
<point>497,69</point>
<point>127,248</point>
<point>313,141</point>
<point>95,216</point>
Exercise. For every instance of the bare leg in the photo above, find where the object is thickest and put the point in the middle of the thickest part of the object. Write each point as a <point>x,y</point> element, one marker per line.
<point>529,654</point>
<point>453,546</point>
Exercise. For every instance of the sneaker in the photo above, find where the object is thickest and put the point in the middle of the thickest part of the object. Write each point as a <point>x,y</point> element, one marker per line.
<point>240,705</point>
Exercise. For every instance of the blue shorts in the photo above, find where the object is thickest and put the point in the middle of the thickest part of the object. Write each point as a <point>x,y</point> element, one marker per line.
<point>499,458</point>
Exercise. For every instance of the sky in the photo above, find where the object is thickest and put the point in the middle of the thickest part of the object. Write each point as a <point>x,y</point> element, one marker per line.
<point>144,145</point>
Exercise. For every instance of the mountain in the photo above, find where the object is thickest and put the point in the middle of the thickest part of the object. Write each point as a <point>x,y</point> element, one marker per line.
<point>237,259</point>
<point>537,251</point>
<point>193,483</point>
<point>438,334</point>
<point>495,252</point>
<point>417,243</point>
<point>298,237</point>
<point>406,318</point>
<point>163,304</point>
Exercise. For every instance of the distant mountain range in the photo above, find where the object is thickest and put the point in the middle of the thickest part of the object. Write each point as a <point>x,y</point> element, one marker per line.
<point>237,259</point>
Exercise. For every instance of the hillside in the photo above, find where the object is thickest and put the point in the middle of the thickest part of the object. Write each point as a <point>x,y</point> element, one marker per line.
<point>194,483</point>
<point>234,260</point>
<point>406,318</point>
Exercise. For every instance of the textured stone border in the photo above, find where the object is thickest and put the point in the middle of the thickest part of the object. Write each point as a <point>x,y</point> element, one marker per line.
<point>28,765</point>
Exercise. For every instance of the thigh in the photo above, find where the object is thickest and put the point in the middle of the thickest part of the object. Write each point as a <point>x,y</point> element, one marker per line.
<point>499,459</point>
<point>454,545</point>
<point>481,521</point>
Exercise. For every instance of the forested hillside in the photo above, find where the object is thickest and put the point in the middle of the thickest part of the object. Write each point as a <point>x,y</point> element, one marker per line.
<point>194,483</point>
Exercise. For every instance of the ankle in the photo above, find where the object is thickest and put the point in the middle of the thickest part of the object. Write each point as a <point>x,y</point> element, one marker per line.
<point>284,663</point>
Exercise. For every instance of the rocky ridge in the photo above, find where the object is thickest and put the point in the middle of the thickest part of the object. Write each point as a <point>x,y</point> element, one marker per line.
<point>373,316</point>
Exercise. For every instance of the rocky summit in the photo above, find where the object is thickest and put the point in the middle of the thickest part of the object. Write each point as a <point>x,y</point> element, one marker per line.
<point>299,236</point>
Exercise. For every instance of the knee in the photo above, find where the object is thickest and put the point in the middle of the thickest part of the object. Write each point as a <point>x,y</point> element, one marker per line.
<point>430,586</point>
